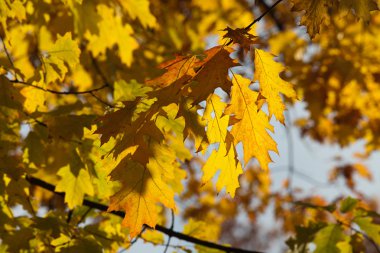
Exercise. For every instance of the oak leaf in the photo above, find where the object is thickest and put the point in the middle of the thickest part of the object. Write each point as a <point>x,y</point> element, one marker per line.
<point>315,11</point>
<point>368,226</point>
<point>142,190</point>
<point>267,73</point>
<point>240,36</point>
<point>224,159</point>
<point>253,125</point>
<point>327,238</point>
<point>212,73</point>
<point>174,69</point>
<point>361,8</point>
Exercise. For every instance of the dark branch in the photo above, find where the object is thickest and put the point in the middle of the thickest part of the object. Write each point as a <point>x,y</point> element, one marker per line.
<point>167,231</point>
<point>279,25</point>
<point>248,27</point>
<point>8,56</point>
<point>171,228</point>
<point>262,15</point>
<point>374,244</point>
<point>60,92</point>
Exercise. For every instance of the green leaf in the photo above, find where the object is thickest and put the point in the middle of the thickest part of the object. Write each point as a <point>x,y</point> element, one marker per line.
<point>345,246</point>
<point>330,208</point>
<point>304,235</point>
<point>368,227</point>
<point>327,238</point>
<point>348,204</point>
<point>124,91</point>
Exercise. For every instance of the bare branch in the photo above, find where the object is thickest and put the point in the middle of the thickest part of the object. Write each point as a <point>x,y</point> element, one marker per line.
<point>165,230</point>
<point>59,92</point>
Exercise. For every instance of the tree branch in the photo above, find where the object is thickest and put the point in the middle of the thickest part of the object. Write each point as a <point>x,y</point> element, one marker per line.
<point>60,92</point>
<point>278,23</point>
<point>262,15</point>
<point>248,27</point>
<point>167,231</point>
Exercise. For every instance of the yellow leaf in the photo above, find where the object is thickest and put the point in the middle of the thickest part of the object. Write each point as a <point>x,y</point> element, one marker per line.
<point>217,125</point>
<point>11,9</point>
<point>62,54</point>
<point>81,78</point>
<point>271,85</point>
<point>229,167</point>
<point>201,229</point>
<point>153,236</point>
<point>112,32</point>
<point>34,99</point>
<point>75,183</point>
<point>225,158</point>
<point>251,129</point>
<point>139,9</point>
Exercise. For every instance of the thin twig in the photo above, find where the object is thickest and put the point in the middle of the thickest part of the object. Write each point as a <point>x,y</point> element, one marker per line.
<point>101,100</point>
<point>165,230</point>
<point>278,23</point>
<point>289,138</point>
<point>262,15</point>
<point>100,72</point>
<point>84,216</point>
<point>35,120</point>
<point>138,236</point>
<point>59,92</point>
<point>69,216</point>
<point>171,227</point>
<point>363,234</point>
<point>8,56</point>
<point>248,27</point>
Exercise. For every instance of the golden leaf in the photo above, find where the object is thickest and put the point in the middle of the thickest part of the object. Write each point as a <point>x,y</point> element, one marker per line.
<point>253,125</point>
<point>271,84</point>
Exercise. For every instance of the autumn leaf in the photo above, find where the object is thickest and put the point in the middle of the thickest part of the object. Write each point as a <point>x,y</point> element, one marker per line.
<point>230,169</point>
<point>327,239</point>
<point>224,158</point>
<point>11,9</point>
<point>174,69</point>
<point>142,190</point>
<point>315,12</point>
<point>361,9</point>
<point>267,73</point>
<point>369,227</point>
<point>253,125</point>
<point>75,183</point>
<point>112,32</point>
<point>64,52</point>
<point>139,9</point>
<point>34,99</point>
<point>240,36</point>
<point>211,73</point>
